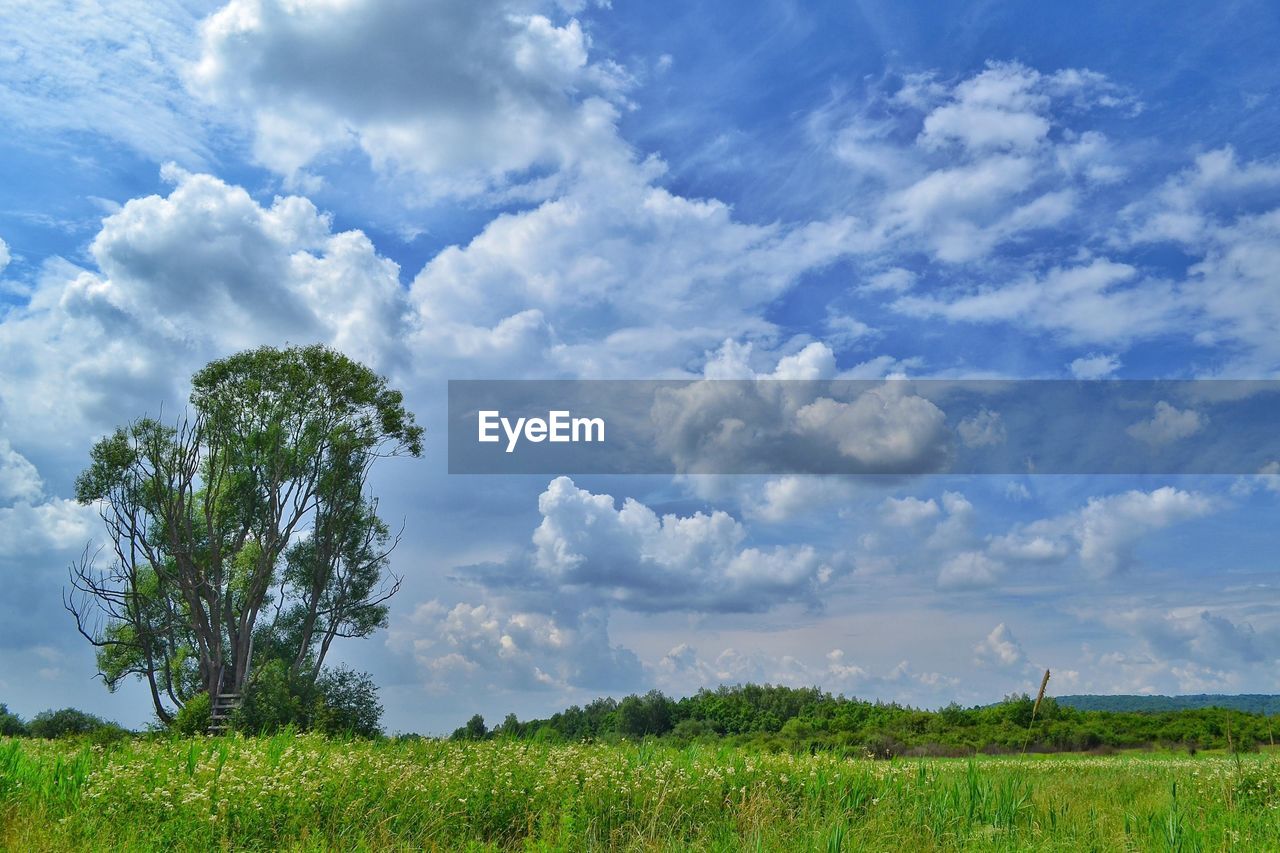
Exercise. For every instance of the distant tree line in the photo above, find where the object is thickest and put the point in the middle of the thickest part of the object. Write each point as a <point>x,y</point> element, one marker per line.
<point>808,718</point>
<point>65,722</point>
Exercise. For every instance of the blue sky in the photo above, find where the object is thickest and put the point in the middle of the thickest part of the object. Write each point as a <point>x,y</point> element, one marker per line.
<point>593,190</point>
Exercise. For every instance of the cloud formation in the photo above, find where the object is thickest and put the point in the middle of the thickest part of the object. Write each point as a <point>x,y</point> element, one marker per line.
<point>588,550</point>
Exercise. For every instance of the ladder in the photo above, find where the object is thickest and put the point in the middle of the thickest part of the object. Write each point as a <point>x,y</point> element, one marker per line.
<point>220,712</point>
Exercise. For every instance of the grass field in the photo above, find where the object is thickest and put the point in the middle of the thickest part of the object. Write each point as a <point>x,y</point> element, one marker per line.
<point>308,793</point>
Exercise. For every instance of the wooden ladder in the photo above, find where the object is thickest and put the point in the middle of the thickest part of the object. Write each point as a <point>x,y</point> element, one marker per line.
<point>220,713</point>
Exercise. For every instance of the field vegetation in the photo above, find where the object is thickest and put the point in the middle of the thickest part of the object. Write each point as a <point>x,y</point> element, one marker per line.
<point>309,792</point>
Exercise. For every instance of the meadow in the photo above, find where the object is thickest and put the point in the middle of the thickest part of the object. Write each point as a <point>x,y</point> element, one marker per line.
<point>307,792</point>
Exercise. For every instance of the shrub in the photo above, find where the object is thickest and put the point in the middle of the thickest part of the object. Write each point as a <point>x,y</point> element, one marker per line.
<point>194,717</point>
<point>66,722</point>
<point>346,703</point>
<point>269,703</point>
<point>108,734</point>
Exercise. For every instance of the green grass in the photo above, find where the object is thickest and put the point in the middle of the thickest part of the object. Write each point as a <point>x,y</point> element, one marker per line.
<point>308,793</point>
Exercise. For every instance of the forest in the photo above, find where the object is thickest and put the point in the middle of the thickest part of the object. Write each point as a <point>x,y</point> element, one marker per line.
<point>787,718</point>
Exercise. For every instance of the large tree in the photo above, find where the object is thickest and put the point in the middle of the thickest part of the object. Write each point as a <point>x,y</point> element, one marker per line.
<point>253,503</point>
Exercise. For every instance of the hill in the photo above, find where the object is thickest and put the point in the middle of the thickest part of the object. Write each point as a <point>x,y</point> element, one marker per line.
<point>1250,703</point>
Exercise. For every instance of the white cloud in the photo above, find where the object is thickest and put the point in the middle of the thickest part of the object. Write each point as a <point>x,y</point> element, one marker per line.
<point>1017,492</point>
<point>908,511</point>
<point>1095,366</point>
<point>34,529</point>
<point>631,557</point>
<point>181,279</point>
<point>637,556</point>
<point>19,479</point>
<point>992,161</point>
<point>5,257</point>
<point>1000,648</point>
<point>1103,533</point>
<point>794,496</point>
<point>618,277</point>
<point>1093,302</point>
<point>885,428</point>
<point>1167,424</point>
<point>467,99</point>
<point>483,646</point>
<point>969,570</point>
<point>1198,636</point>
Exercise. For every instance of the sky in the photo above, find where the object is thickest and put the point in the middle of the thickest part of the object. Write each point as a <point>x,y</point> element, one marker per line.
<point>587,190</point>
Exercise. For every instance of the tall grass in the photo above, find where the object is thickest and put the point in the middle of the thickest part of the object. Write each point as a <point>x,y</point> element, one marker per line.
<point>308,793</point>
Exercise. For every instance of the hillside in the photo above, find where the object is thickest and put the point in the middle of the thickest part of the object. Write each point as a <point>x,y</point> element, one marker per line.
<point>1250,703</point>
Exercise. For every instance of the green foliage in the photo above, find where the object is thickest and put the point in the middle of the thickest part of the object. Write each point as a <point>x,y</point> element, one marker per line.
<point>475,729</point>
<point>11,725</point>
<point>311,793</point>
<point>66,722</point>
<point>194,717</point>
<point>776,717</point>
<point>271,703</point>
<point>205,519</point>
<point>650,714</point>
<point>346,703</point>
<point>340,702</point>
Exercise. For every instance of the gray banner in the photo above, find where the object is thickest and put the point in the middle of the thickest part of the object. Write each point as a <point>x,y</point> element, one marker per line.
<point>863,427</point>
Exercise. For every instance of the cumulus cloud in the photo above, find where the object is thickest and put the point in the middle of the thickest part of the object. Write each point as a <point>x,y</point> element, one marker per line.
<point>1103,533</point>
<point>784,498</point>
<point>1196,643</point>
<point>908,511</point>
<point>470,98</point>
<point>19,479</point>
<point>615,278</point>
<point>484,646</point>
<point>632,557</point>
<point>1168,424</point>
<point>1000,648</point>
<point>754,427</point>
<point>37,528</point>
<point>181,279</point>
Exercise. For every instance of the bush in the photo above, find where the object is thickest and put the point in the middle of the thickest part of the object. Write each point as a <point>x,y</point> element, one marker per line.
<point>693,730</point>
<point>108,734</point>
<point>194,717</point>
<point>346,703</point>
<point>270,703</point>
<point>67,722</point>
<point>342,701</point>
